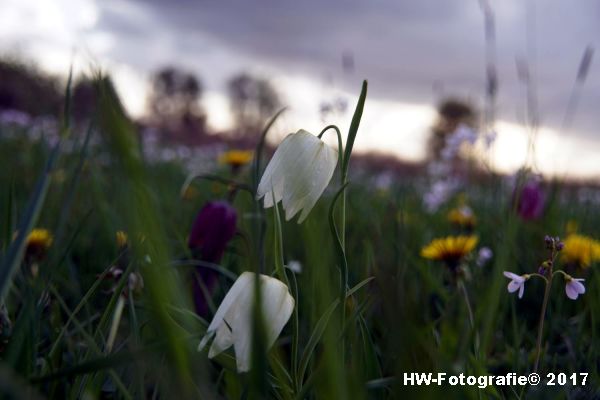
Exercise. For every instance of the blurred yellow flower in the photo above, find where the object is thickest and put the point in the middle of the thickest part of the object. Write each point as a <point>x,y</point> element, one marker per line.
<point>462,216</point>
<point>236,158</point>
<point>38,243</point>
<point>450,249</point>
<point>580,251</point>
<point>121,238</point>
<point>40,237</point>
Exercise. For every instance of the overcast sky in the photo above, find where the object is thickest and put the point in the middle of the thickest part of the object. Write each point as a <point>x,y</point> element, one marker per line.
<point>412,52</point>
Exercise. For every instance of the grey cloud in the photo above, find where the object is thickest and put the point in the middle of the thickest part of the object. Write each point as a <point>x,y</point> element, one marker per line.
<point>402,47</point>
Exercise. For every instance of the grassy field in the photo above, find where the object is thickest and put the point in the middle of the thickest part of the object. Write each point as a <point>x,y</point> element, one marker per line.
<point>73,327</point>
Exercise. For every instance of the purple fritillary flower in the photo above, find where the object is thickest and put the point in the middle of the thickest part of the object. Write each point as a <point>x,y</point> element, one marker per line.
<point>213,228</point>
<point>530,201</point>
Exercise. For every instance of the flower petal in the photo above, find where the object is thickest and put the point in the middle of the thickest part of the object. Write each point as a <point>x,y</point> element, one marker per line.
<point>273,173</point>
<point>578,286</point>
<point>276,307</point>
<point>223,340</point>
<point>571,291</point>
<point>513,286</point>
<point>299,174</point>
<point>521,290</point>
<point>322,174</point>
<point>514,277</point>
<point>230,300</point>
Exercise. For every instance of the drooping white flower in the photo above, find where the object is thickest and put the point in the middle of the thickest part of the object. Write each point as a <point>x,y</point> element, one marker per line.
<point>574,287</point>
<point>517,282</point>
<point>232,323</point>
<point>298,173</point>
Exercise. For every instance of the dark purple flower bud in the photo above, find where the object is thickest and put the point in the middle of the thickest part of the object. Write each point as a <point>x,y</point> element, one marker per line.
<point>530,201</point>
<point>213,228</point>
<point>560,246</point>
<point>542,270</point>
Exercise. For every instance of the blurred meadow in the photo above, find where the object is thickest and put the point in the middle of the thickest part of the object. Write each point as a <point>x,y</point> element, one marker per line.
<point>158,257</point>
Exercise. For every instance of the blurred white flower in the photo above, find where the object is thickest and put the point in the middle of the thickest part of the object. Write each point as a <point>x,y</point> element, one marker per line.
<point>463,134</point>
<point>438,194</point>
<point>294,266</point>
<point>298,173</point>
<point>383,181</point>
<point>485,254</point>
<point>15,117</point>
<point>232,323</point>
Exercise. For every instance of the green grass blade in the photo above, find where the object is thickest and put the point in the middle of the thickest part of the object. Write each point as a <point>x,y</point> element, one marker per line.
<point>315,337</point>
<point>354,126</point>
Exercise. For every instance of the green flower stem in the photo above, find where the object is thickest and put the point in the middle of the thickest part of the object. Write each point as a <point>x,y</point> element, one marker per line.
<point>539,276</point>
<point>341,236</point>
<point>541,324</point>
<point>544,307</point>
<point>559,271</point>
<point>280,271</point>
<point>343,180</point>
<point>463,289</point>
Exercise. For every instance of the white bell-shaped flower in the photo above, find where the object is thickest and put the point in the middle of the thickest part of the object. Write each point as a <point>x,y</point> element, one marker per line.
<point>232,323</point>
<point>298,173</point>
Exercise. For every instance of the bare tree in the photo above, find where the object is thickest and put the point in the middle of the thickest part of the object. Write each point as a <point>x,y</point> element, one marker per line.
<point>253,100</point>
<point>174,103</point>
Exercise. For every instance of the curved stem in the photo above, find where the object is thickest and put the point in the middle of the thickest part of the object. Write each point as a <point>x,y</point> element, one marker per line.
<point>343,177</point>
<point>539,276</point>
<point>560,271</point>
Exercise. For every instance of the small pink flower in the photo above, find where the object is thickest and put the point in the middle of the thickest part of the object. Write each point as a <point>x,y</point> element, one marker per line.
<point>517,282</point>
<point>574,287</point>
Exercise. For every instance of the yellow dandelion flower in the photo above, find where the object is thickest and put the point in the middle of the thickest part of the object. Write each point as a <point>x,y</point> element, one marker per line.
<point>580,251</point>
<point>121,237</point>
<point>40,237</point>
<point>450,249</point>
<point>236,158</point>
<point>462,216</point>
<point>38,243</point>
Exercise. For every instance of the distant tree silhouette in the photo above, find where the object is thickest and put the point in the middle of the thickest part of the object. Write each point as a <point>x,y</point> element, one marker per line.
<point>253,100</point>
<point>174,104</point>
<point>23,87</point>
